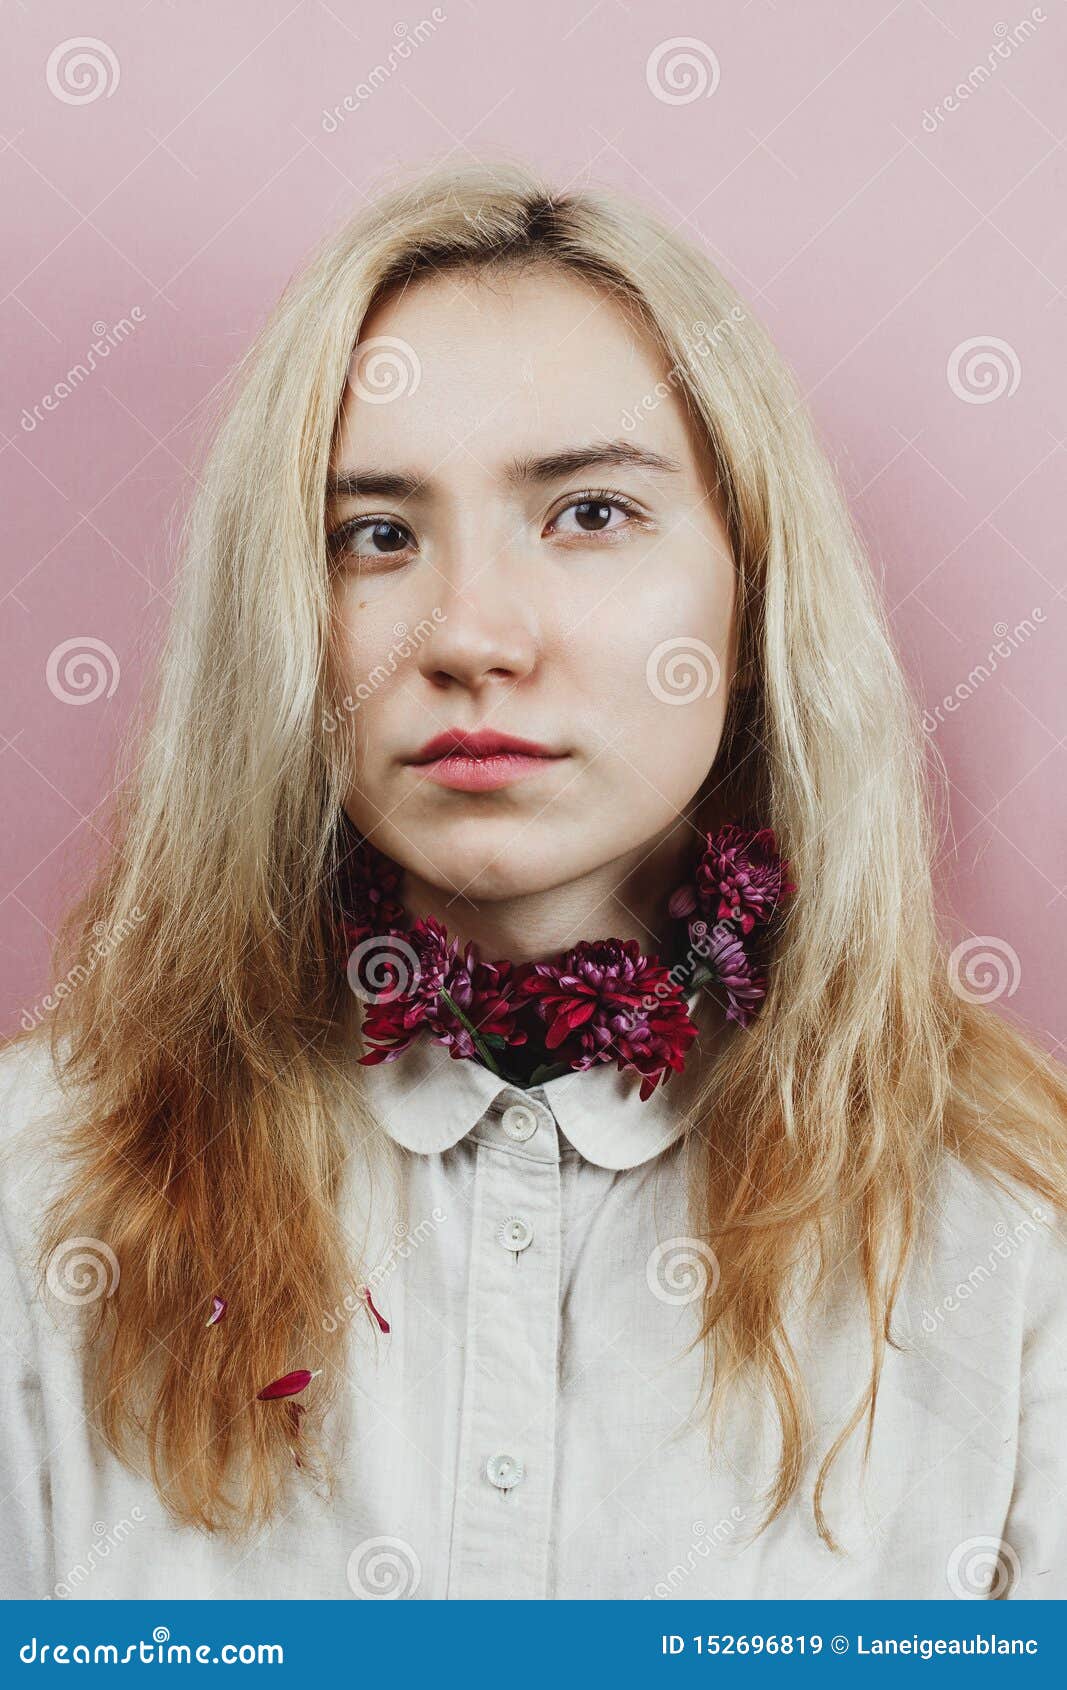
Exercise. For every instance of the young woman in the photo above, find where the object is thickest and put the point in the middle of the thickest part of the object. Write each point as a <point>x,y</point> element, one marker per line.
<point>509,1125</point>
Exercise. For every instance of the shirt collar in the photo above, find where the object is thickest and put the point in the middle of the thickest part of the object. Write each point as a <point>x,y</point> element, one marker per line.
<point>426,1101</point>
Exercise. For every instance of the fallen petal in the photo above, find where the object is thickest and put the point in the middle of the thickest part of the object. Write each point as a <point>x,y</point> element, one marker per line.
<point>289,1385</point>
<point>382,1322</point>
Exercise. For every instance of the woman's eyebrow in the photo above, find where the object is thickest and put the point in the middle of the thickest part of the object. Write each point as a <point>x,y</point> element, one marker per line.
<point>379,484</point>
<point>612,454</point>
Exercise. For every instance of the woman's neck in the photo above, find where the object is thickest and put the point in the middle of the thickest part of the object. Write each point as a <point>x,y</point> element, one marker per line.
<point>622,899</point>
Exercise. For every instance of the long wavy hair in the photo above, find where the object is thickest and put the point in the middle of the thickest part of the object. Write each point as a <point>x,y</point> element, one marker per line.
<point>215,1111</point>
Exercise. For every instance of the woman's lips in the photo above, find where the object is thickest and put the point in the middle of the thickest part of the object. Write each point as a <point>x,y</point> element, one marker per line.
<point>465,773</point>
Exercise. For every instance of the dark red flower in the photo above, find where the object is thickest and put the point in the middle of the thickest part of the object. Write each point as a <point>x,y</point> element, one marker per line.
<point>605,1002</point>
<point>370,894</point>
<point>600,1002</point>
<point>740,878</point>
<point>481,991</point>
<point>391,1023</point>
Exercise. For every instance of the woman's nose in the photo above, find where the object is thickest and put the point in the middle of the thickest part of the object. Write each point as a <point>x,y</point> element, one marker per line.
<point>485,627</point>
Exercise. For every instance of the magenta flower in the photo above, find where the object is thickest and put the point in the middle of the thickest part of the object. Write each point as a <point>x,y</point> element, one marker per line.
<point>463,1003</point>
<point>390,1025</point>
<point>602,1001</point>
<point>606,1002</point>
<point>371,894</point>
<point>740,878</point>
<point>732,968</point>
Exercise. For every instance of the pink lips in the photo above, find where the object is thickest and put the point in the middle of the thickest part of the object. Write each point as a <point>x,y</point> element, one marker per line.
<point>481,761</point>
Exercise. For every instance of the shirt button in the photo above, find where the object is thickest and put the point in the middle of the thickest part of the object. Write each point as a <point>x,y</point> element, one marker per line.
<point>503,1471</point>
<point>519,1122</point>
<point>515,1234</point>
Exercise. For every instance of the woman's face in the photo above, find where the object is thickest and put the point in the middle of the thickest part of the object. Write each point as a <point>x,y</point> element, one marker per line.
<point>511,558</point>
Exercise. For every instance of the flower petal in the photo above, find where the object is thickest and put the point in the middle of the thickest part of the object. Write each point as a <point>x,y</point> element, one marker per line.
<point>382,1322</point>
<point>287,1386</point>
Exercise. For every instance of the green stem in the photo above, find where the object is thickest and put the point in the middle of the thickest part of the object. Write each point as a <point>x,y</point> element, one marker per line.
<point>483,1049</point>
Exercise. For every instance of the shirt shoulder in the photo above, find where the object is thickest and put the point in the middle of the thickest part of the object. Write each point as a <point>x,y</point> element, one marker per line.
<point>35,1112</point>
<point>974,1203</point>
<point>1000,1243</point>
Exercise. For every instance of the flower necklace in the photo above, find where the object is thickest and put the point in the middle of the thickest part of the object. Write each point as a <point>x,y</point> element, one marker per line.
<point>600,1001</point>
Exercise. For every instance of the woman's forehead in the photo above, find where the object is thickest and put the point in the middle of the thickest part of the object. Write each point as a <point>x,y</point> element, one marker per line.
<point>506,367</point>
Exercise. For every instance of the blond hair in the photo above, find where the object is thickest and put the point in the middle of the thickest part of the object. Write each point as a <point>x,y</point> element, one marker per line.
<point>210,1151</point>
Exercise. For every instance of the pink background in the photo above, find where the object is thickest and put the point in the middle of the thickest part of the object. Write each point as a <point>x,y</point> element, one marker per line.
<point>193,185</point>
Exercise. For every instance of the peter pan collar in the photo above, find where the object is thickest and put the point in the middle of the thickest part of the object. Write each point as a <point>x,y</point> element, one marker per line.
<point>426,1101</point>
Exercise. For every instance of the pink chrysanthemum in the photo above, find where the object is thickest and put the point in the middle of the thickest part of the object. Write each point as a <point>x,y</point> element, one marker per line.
<point>481,991</point>
<point>739,977</point>
<point>602,1001</point>
<point>740,878</point>
<point>606,1002</point>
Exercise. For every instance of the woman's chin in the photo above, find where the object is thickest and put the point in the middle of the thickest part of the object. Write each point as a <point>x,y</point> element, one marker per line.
<point>475,880</point>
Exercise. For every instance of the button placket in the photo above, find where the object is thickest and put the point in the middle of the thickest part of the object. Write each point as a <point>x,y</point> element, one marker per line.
<point>506,1471</point>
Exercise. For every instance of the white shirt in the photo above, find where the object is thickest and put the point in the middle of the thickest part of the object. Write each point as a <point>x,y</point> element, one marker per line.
<point>526,1428</point>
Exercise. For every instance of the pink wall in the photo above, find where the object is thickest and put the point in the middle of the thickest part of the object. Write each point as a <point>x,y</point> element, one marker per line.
<point>876,220</point>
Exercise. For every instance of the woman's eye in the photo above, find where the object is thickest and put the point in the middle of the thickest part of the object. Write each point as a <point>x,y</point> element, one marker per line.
<point>368,538</point>
<point>593,515</point>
